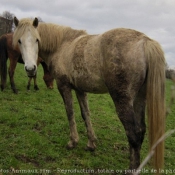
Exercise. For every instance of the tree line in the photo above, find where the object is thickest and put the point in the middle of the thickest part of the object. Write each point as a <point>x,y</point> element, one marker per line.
<point>6,22</point>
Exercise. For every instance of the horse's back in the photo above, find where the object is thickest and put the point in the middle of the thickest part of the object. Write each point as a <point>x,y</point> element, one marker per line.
<point>121,46</point>
<point>94,61</point>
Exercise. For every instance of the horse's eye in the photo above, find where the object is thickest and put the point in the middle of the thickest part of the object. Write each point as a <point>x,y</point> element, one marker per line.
<point>37,40</point>
<point>19,41</point>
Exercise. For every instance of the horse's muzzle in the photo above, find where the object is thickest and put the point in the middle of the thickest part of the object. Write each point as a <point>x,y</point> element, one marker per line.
<point>31,72</point>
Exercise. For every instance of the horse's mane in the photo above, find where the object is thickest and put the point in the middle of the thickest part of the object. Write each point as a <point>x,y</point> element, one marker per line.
<point>50,35</point>
<point>53,35</point>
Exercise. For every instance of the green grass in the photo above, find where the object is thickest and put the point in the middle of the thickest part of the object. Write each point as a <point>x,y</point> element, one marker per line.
<point>34,132</point>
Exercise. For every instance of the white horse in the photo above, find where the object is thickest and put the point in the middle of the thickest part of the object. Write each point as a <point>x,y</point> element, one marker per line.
<point>123,62</point>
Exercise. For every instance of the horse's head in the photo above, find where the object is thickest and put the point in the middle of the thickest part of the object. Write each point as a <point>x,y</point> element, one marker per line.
<point>27,38</point>
<point>48,81</point>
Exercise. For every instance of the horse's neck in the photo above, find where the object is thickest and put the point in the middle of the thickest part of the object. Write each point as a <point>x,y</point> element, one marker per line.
<point>45,56</point>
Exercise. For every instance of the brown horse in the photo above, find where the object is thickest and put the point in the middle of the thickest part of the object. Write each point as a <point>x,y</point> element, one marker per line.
<point>7,51</point>
<point>123,62</point>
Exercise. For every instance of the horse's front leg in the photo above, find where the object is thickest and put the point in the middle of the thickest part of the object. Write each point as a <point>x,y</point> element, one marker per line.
<point>66,94</point>
<point>82,99</point>
<point>35,83</point>
<point>29,82</point>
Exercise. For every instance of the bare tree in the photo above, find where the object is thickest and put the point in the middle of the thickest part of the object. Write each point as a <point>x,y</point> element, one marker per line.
<point>8,22</point>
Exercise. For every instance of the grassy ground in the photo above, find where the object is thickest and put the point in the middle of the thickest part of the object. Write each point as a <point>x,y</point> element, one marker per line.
<point>34,132</point>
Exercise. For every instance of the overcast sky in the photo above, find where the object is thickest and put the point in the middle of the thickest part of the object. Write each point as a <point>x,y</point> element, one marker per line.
<point>155,18</point>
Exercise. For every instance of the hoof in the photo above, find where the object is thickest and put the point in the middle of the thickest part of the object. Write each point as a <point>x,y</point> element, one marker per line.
<point>71,145</point>
<point>36,88</point>
<point>90,149</point>
<point>15,91</point>
<point>90,146</point>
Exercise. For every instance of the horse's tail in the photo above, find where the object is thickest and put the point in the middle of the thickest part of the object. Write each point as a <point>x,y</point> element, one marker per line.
<point>3,61</point>
<point>155,98</point>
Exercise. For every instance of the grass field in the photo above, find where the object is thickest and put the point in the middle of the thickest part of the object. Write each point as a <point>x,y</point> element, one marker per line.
<point>34,132</point>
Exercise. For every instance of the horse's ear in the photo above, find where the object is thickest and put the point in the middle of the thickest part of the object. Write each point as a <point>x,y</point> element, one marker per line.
<point>35,22</point>
<point>16,21</point>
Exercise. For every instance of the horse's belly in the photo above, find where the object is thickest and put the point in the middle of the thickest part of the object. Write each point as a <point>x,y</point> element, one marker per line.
<point>88,83</point>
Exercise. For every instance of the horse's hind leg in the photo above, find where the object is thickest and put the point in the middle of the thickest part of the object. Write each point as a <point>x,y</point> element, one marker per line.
<point>66,94</point>
<point>82,99</point>
<point>11,70</point>
<point>139,117</point>
<point>3,73</point>
<point>3,82</point>
<point>139,109</point>
<point>125,110</point>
